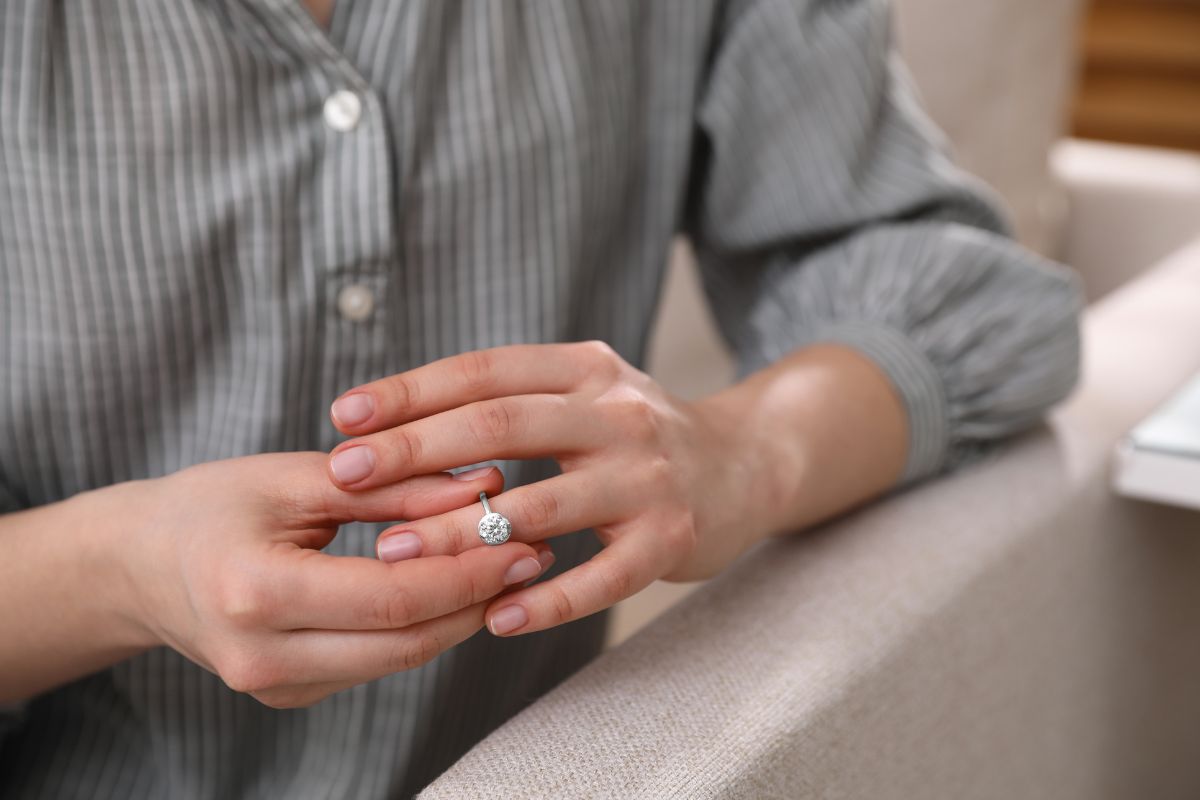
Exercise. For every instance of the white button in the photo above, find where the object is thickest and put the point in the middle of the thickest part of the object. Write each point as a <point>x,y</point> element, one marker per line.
<point>355,303</point>
<point>343,110</point>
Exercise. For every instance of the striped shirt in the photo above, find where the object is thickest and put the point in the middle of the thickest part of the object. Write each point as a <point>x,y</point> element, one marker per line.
<point>216,216</point>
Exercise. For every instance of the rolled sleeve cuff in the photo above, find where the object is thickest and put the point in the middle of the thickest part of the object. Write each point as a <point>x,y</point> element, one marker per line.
<point>915,379</point>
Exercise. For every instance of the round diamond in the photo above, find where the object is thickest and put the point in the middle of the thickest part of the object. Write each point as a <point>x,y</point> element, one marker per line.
<point>494,528</point>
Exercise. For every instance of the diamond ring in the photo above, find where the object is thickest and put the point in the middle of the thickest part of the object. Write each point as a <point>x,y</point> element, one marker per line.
<point>493,528</point>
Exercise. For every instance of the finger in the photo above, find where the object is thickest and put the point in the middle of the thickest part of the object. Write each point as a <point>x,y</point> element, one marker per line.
<point>316,590</point>
<point>524,426</point>
<point>305,489</point>
<point>303,695</point>
<point>467,378</point>
<point>562,504</point>
<point>628,565</point>
<point>412,497</point>
<point>350,657</point>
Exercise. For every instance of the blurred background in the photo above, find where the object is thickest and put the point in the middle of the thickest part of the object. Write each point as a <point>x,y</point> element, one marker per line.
<point>1140,73</point>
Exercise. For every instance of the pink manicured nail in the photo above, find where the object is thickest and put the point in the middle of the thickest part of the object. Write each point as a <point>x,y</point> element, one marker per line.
<point>523,570</point>
<point>353,409</point>
<point>352,465</point>
<point>546,561</point>
<point>508,619</point>
<point>472,474</point>
<point>400,546</point>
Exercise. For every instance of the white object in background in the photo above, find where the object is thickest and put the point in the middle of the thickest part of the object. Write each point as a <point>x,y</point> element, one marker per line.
<point>1130,208</point>
<point>1160,459</point>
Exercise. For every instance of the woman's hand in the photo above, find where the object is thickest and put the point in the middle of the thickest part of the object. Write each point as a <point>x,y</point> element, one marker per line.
<point>226,568</point>
<point>674,490</point>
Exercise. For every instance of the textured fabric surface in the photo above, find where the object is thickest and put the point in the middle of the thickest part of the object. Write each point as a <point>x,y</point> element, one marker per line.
<point>1015,630</point>
<point>180,226</point>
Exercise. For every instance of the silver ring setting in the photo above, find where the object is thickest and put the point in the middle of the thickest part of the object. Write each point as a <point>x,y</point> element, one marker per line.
<point>494,528</point>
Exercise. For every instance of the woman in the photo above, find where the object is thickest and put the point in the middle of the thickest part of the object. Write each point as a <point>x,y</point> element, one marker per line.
<point>449,219</point>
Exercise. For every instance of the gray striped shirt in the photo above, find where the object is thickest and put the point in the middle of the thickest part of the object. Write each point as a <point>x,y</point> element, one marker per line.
<point>199,250</point>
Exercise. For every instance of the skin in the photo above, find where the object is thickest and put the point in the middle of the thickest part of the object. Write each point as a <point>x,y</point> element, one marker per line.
<point>675,490</point>
<point>321,10</point>
<point>222,561</point>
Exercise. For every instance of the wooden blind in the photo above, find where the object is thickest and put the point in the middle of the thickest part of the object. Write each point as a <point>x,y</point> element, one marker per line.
<point>1140,78</point>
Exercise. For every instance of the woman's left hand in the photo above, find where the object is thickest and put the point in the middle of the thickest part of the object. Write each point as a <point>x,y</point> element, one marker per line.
<point>674,490</point>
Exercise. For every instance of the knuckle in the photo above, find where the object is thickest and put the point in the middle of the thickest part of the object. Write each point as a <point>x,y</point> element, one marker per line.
<point>290,498</point>
<point>601,359</point>
<point>469,588</point>
<point>660,473</point>
<point>495,422</point>
<point>641,418</point>
<point>617,584</point>
<point>665,483</point>
<point>247,672</point>
<point>243,603</point>
<point>477,371</point>
<point>599,350</point>
<point>681,535</point>
<point>414,651</point>
<point>453,534</point>
<point>541,510</point>
<point>403,393</point>
<point>394,607</point>
<point>631,413</point>
<point>406,446</point>
<point>563,608</point>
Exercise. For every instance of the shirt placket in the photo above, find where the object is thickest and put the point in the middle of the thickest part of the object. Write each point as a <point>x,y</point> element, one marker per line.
<point>348,243</point>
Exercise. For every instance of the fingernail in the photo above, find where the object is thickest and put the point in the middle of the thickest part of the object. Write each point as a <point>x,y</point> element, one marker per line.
<point>353,409</point>
<point>523,570</point>
<point>508,619</point>
<point>400,546</point>
<point>353,464</point>
<point>472,474</point>
<point>546,560</point>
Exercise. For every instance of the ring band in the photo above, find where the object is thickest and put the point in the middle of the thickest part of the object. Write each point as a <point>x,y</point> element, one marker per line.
<point>493,528</point>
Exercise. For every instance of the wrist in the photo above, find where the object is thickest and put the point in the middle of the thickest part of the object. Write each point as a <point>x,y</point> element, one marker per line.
<point>760,459</point>
<point>823,430</point>
<point>63,568</point>
<point>111,523</point>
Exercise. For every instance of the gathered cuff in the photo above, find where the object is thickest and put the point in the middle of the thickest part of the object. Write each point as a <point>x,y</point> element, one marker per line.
<point>914,378</point>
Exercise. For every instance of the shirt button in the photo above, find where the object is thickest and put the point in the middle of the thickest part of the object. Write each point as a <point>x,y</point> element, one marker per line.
<point>342,111</point>
<point>355,303</point>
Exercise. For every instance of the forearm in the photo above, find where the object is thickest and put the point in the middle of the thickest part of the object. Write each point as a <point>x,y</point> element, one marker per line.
<point>822,431</point>
<point>62,591</point>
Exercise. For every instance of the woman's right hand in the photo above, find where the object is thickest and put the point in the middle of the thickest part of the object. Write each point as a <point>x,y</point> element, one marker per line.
<point>225,566</point>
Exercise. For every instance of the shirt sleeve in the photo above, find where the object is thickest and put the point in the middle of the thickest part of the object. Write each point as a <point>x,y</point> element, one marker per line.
<point>10,718</point>
<point>824,208</point>
<point>10,713</point>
